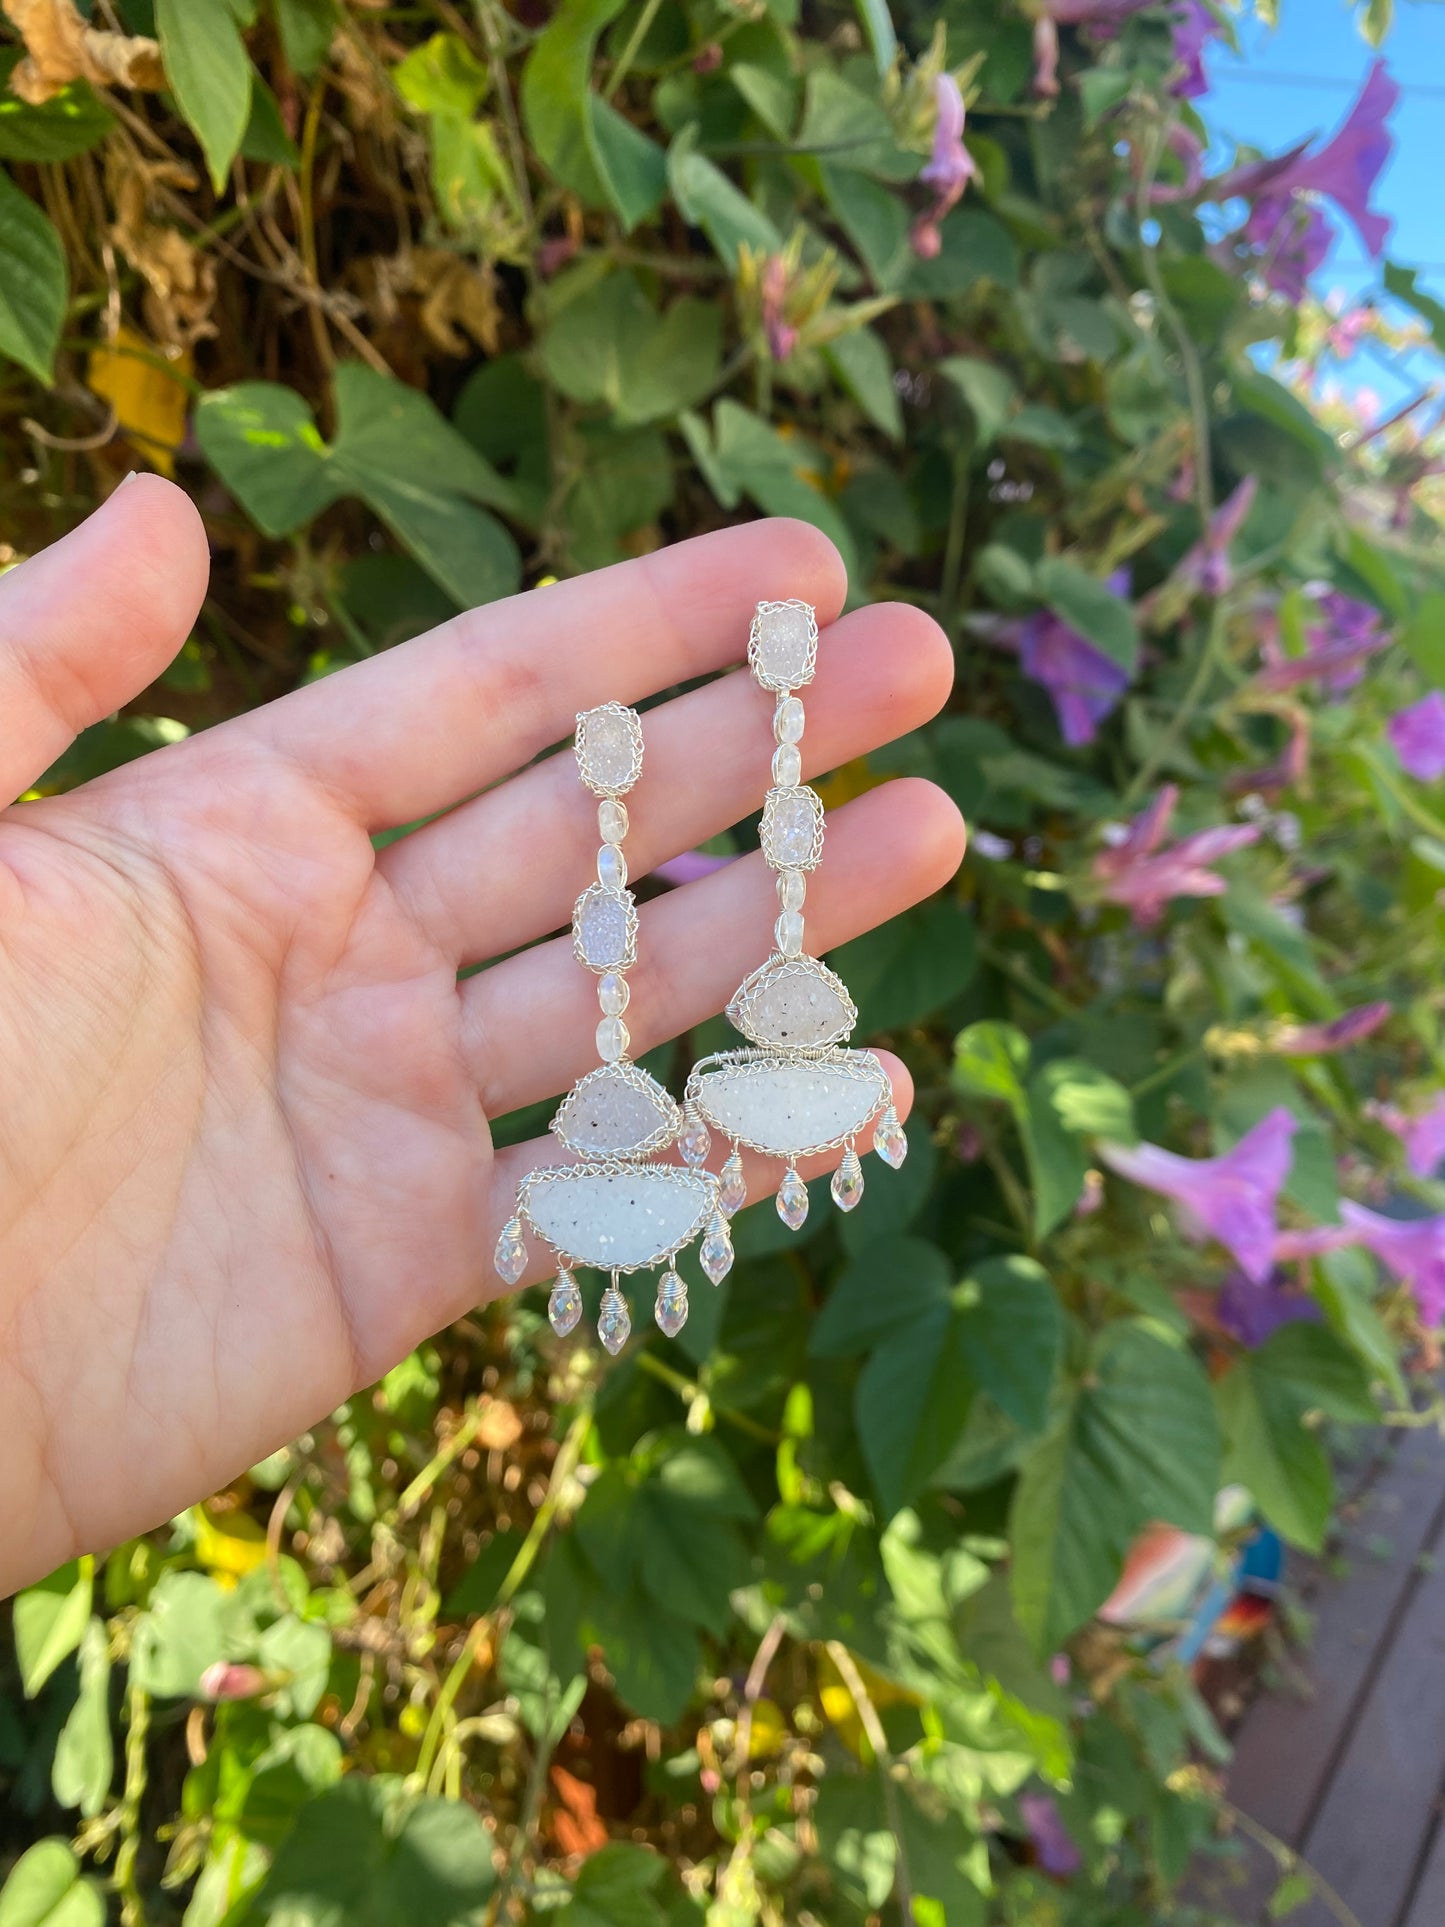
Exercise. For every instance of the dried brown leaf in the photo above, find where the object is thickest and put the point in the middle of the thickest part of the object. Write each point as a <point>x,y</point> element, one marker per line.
<point>60,48</point>
<point>180,280</point>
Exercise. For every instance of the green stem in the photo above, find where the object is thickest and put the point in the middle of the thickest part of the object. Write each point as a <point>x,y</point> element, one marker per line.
<point>132,1906</point>
<point>629,52</point>
<point>1041,992</point>
<point>1184,714</point>
<point>1193,373</point>
<point>953,548</point>
<point>1166,1072</point>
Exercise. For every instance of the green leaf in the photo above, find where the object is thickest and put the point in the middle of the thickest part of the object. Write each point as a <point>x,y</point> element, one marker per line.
<point>910,967</point>
<point>861,361</point>
<point>1087,1100</point>
<point>442,76</point>
<point>45,1889</point>
<point>1269,1449</point>
<point>210,73</point>
<point>706,198</point>
<point>1404,284</point>
<point>263,443</point>
<point>49,1622</point>
<point>33,284</point>
<point>1424,637</point>
<point>1135,1441</point>
<point>616,1887</point>
<point>879,30</point>
<point>67,124</point>
<point>307,27</point>
<point>1321,1372</point>
<point>989,1061</point>
<point>363,1855</point>
<point>1069,1100</point>
<point>998,1331</point>
<point>784,475</point>
<point>179,1636</point>
<point>989,391</point>
<point>1101,89</point>
<point>850,128</point>
<point>586,144</point>
<point>84,1756</point>
<point>300,1653</point>
<point>1091,607</point>
<point>266,139</point>
<point>887,1285</point>
<point>608,345</point>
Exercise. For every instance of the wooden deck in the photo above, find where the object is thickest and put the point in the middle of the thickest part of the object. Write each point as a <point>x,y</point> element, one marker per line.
<point>1347,1766</point>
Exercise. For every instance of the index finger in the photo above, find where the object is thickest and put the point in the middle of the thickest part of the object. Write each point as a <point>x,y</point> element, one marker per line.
<point>421,727</point>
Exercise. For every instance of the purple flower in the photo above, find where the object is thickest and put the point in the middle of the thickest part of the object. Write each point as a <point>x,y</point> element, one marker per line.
<point>949,168</point>
<point>1413,1249</point>
<point>688,867</point>
<point>1289,234</point>
<point>1053,1844</point>
<point>1206,568</point>
<point>1418,734</point>
<point>1284,773</point>
<point>1337,651</point>
<point>1138,873</point>
<point>1083,683</point>
<point>1231,1198</point>
<point>1317,1040</point>
<point>1423,1135</point>
<point>1195,26</point>
<point>1251,1309</point>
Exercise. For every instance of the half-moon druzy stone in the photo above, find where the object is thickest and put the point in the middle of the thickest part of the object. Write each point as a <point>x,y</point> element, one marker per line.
<point>789,1107</point>
<point>619,1218</point>
<point>796,1002</point>
<point>617,1110</point>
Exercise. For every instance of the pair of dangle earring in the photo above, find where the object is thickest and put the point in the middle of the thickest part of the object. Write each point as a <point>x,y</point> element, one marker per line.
<point>797,1093</point>
<point>621,1208</point>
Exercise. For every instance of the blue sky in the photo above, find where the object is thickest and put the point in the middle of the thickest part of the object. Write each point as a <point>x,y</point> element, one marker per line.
<point>1300,78</point>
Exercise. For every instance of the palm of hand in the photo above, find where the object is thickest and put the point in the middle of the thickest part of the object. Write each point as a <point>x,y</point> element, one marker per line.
<point>245,1163</point>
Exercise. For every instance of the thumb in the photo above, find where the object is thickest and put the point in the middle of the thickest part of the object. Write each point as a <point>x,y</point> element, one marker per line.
<point>88,622</point>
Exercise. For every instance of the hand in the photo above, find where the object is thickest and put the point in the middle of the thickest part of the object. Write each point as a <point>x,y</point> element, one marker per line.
<point>244,1156</point>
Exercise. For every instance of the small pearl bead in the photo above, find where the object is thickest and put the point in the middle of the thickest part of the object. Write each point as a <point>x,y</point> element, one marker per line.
<point>613,993</point>
<point>612,1039</point>
<point>788,720</point>
<point>611,820</point>
<point>792,888</point>
<point>611,867</point>
<point>788,930</point>
<point>787,766</point>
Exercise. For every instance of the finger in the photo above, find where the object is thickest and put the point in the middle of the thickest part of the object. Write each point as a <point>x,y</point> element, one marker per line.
<point>706,763</point>
<point>425,725</point>
<point>530,1022</point>
<point>762,1176</point>
<point>86,624</point>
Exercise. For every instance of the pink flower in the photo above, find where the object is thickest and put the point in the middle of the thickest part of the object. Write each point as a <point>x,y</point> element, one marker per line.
<point>1231,1198</point>
<point>1286,771</point>
<point>1418,734</point>
<point>1083,683</point>
<point>1195,25</point>
<point>1317,1040</point>
<point>1139,874</point>
<point>949,168</point>
<point>1352,632</point>
<point>1206,568</point>
<point>1413,1249</point>
<point>228,1681</point>
<point>782,336</point>
<point>1423,1136</point>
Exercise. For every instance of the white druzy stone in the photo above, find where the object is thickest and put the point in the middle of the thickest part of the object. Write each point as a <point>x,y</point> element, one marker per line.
<point>609,748</point>
<point>617,1111</point>
<point>619,1219</point>
<point>792,829</point>
<point>798,1003</point>
<point>604,928</point>
<point>786,1109</point>
<point>783,648</point>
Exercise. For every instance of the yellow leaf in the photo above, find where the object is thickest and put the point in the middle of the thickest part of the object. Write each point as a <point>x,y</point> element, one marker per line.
<point>229,1545</point>
<point>150,401</point>
<point>846,783</point>
<point>768,1730</point>
<point>840,1709</point>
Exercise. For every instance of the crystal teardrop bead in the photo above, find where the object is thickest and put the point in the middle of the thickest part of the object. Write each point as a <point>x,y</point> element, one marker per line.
<point>613,993</point>
<point>671,1308</point>
<point>611,820</point>
<point>614,1322</point>
<point>793,1201</point>
<point>611,867</point>
<point>734,1193</point>
<point>612,1040</point>
<point>787,765</point>
<point>695,1143</point>
<point>847,1185</point>
<point>716,1250</point>
<point>889,1141</point>
<point>564,1305</point>
<point>788,720</point>
<point>511,1253</point>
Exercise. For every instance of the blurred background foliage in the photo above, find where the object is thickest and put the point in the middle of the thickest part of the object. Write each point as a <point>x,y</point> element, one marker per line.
<point>794,1618</point>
